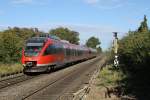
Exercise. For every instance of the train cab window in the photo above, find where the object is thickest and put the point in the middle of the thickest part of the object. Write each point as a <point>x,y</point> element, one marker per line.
<point>50,50</point>
<point>32,50</point>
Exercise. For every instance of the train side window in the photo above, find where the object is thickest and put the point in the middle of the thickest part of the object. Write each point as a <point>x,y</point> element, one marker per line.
<point>58,48</point>
<point>55,49</point>
<point>78,52</point>
<point>68,52</point>
<point>75,52</point>
<point>71,52</point>
<point>64,51</point>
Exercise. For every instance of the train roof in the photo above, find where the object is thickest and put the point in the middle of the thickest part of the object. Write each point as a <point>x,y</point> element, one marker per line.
<point>36,40</point>
<point>93,50</point>
<point>40,38</point>
<point>46,35</point>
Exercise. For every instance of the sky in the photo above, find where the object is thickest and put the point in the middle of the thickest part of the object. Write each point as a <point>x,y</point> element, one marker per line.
<point>97,18</point>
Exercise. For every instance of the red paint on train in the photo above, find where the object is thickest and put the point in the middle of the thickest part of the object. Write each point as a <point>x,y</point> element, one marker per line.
<point>43,53</point>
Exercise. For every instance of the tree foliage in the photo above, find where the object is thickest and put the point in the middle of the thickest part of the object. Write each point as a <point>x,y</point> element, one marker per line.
<point>134,50</point>
<point>143,27</point>
<point>94,42</point>
<point>134,58</point>
<point>10,47</point>
<point>66,34</point>
<point>11,43</point>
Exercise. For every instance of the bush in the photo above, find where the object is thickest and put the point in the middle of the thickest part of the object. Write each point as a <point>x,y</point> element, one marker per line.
<point>11,46</point>
<point>134,51</point>
<point>11,43</point>
<point>9,69</point>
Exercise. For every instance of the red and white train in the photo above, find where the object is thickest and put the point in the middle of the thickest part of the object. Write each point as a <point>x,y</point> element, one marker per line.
<point>46,52</point>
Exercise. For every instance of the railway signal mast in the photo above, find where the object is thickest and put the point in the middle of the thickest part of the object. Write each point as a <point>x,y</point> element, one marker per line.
<point>115,47</point>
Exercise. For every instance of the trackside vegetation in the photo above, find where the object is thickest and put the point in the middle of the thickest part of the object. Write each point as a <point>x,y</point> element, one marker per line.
<point>11,43</point>
<point>94,42</point>
<point>7,69</point>
<point>66,34</point>
<point>108,76</point>
<point>134,58</point>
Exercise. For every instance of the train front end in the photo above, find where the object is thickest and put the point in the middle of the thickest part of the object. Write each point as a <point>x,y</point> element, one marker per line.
<point>31,55</point>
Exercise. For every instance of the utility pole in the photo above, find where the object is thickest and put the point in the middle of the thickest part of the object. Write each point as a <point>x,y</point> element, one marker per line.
<point>115,47</point>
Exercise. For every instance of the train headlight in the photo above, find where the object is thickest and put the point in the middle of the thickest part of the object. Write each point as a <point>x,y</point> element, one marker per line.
<point>29,64</point>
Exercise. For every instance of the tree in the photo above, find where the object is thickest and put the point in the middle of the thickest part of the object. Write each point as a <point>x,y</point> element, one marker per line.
<point>134,59</point>
<point>66,34</point>
<point>143,27</point>
<point>134,49</point>
<point>11,42</point>
<point>93,42</point>
<point>23,33</point>
<point>11,46</point>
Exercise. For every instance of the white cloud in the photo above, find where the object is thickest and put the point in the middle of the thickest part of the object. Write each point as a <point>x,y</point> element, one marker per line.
<point>29,2</point>
<point>22,1</point>
<point>110,7</point>
<point>91,1</point>
<point>82,28</point>
<point>105,4</point>
<point>91,28</point>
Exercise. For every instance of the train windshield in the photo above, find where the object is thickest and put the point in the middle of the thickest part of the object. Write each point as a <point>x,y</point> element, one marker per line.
<point>32,49</point>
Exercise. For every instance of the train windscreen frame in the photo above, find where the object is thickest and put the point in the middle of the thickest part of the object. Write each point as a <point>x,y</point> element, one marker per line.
<point>34,45</point>
<point>33,49</point>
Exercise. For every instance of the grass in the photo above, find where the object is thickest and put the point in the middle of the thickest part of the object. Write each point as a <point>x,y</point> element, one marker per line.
<point>109,76</point>
<point>10,68</point>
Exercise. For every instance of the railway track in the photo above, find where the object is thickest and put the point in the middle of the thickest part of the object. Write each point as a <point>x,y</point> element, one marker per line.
<point>7,78</point>
<point>53,86</point>
<point>14,80</point>
<point>17,79</point>
<point>66,80</point>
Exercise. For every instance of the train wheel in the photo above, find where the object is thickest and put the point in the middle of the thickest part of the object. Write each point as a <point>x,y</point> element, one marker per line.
<point>52,68</point>
<point>48,70</point>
